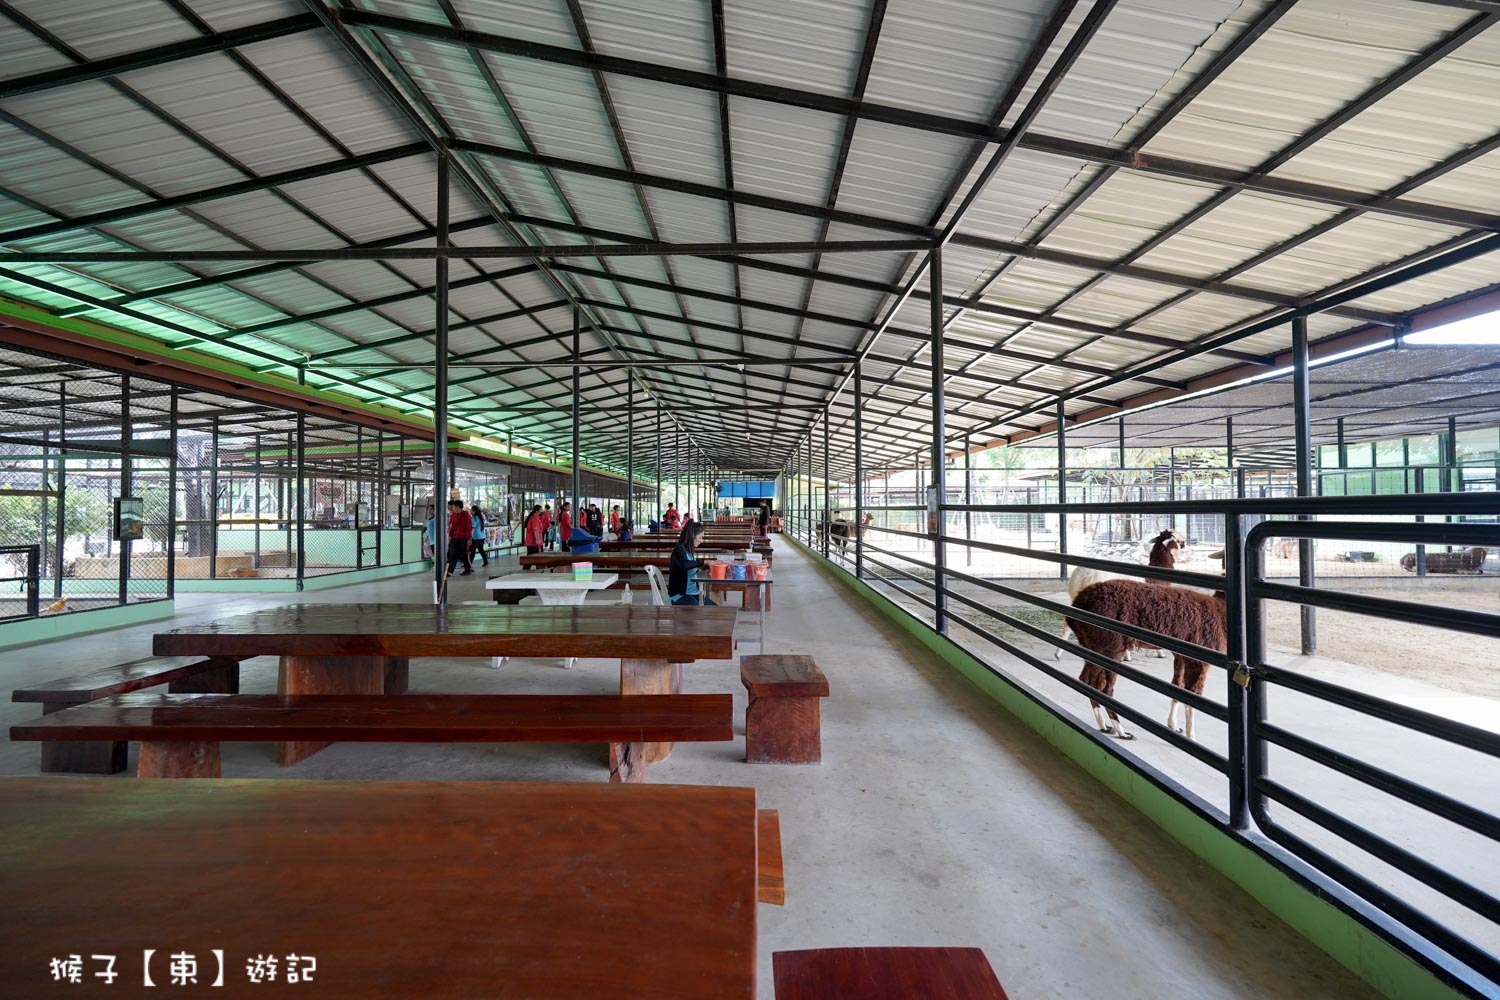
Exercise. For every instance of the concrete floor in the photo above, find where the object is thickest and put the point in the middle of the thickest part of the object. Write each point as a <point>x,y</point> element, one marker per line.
<point>935,818</point>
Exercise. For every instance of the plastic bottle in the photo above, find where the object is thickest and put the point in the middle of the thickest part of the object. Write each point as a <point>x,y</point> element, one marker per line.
<point>626,599</point>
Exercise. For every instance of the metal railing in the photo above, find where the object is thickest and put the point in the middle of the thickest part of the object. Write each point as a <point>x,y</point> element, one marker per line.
<point>938,594</point>
<point>30,604</point>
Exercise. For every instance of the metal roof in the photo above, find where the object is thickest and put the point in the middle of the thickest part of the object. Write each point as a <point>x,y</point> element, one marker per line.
<point>1130,196</point>
<point>1380,396</point>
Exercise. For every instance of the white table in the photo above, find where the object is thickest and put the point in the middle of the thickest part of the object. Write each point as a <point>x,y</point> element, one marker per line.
<point>553,587</point>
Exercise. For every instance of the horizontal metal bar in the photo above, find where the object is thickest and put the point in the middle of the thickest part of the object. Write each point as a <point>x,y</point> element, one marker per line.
<point>1438,726</point>
<point>1481,822</point>
<point>1431,615</point>
<point>470,252</point>
<point>1164,688</point>
<point>1428,533</point>
<point>1480,504</point>
<point>1398,857</point>
<point>1135,715</point>
<point>1398,909</point>
<point>1186,578</point>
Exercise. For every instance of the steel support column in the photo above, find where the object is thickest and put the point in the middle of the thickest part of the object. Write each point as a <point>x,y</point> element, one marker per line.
<point>577,491</point>
<point>1302,417</point>
<point>173,417</point>
<point>440,396</point>
<point>937,495</point>
<point>127,484</point>
<point>859,477</point>
<point>1062,486</point>
<point>301,525</point>
<point>630,452</point>
<point>827,502</point>
<point>968,499</point>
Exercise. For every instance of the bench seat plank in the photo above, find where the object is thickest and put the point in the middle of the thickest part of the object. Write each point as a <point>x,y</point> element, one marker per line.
<point>122,678</point>
<point>885,974</point>
<point>771,882</point>
<point>383,719</point>
<point>782,676</point>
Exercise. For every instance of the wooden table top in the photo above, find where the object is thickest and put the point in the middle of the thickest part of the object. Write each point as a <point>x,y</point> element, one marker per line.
<point>607,560</point>
<point>397,889</point>
<point>627,630</point>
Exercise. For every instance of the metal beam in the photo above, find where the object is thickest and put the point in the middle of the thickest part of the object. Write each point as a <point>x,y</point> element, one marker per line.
<point>473,252</point>
<point>98,69</point>
<point>694,188</point>
<point>1130,159</point>
<point>250,186</point>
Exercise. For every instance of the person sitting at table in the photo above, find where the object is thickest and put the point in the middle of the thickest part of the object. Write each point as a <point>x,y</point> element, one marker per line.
<point>672,519</point>
<point>581,541</point>
<point>535,532</point>
<point>627,530</point>
<point>653,526</point>
<point>681,587</point>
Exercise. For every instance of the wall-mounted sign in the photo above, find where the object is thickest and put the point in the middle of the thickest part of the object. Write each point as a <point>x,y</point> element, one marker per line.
<point>130,519</point>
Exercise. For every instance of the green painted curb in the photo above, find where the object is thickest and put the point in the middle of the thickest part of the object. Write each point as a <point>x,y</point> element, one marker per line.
<point>31,630</point>
<point>1346,939</point>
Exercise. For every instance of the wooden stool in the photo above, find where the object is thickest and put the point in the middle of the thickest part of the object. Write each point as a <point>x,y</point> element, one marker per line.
<point>783,723</point>
<point>885,974</point>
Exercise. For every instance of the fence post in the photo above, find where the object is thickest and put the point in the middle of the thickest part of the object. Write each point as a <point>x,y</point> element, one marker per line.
<point>1239,679</point>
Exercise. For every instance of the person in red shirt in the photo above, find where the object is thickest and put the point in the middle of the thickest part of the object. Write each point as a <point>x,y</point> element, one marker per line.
<point>565,525</point>
<point>460,529</point>
<point>534,533</point>
<point>672,519</point>
<point>614,519</point>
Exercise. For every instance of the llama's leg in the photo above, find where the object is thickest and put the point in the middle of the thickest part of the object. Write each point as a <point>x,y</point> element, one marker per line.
<point>1099,722</point>
<point>1118,724</point>
<point>1057,652</point>
<point>1187,713</point>
<point>1172,716</point>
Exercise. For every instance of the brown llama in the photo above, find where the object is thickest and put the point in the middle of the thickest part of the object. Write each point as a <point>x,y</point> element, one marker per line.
<point>844,531</point>
<point>1164,549</point>
<point>1184,614</point>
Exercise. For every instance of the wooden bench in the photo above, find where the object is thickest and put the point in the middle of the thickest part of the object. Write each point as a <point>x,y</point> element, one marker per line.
<point>180,734</point>
<point>885,974</point>
<point>770,880</point>
<point>181,674</point>
<point>783,722</point>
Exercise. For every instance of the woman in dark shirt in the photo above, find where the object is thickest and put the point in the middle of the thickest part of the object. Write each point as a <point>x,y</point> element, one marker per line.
<point>681,587</point>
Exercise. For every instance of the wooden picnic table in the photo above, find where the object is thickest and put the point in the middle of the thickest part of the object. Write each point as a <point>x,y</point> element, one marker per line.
<point>648,547</point>
<point>366,648</point>
<point>393,889</point>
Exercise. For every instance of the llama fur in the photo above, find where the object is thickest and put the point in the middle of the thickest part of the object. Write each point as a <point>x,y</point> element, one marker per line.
<point>1164,549</point>
<point>1184,614</point>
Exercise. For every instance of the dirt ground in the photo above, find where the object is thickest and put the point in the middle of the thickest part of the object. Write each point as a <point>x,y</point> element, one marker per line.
<point>1454,660</point>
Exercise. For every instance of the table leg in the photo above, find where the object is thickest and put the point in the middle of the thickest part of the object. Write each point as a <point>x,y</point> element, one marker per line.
<point>651,677</point>
<point>325,675</point>
<point>397,674</point>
